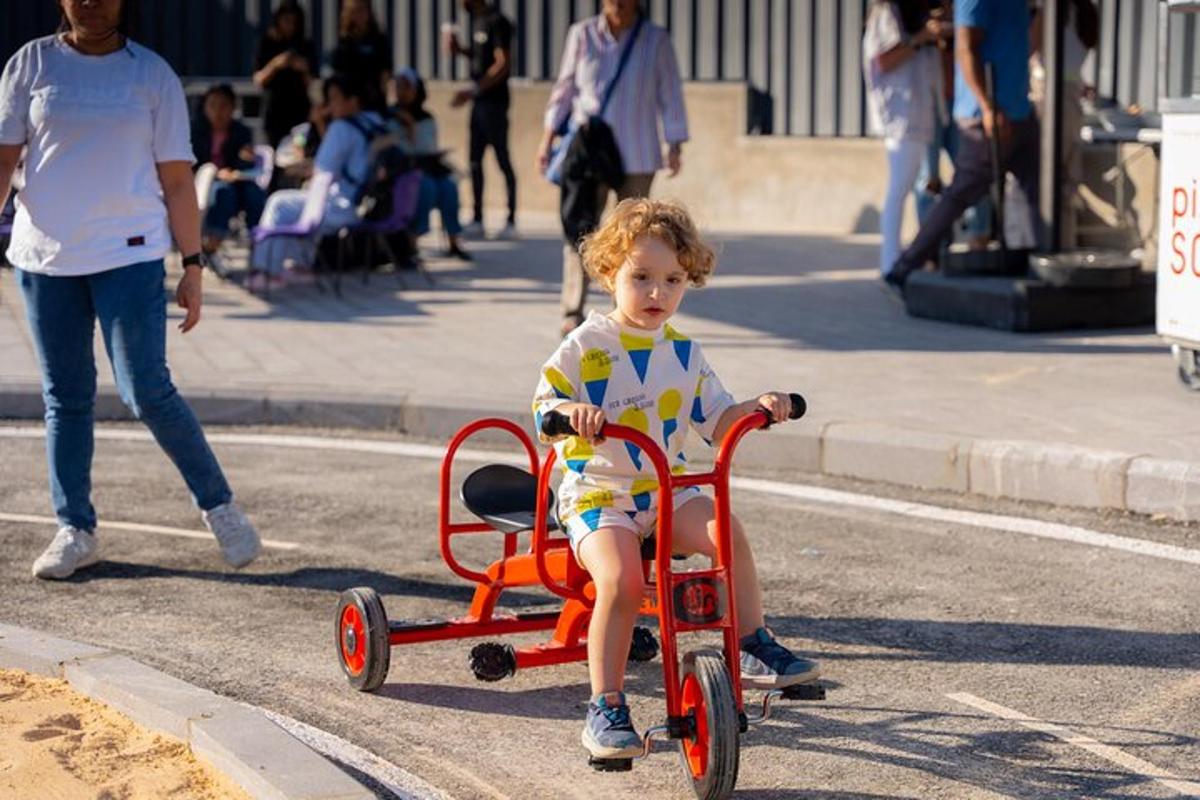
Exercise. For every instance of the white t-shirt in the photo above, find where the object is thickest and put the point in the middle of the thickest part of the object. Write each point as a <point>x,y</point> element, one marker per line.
<point>903,103</point>
<point>655,381</point>
<point>94,128</point>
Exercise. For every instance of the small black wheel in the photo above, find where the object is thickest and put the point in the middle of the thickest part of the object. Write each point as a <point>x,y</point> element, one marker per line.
<point>492,661</point>
<point>1188,366</point>
<point>644,646</point>
<point>361,638</point>
<point>709,754</point>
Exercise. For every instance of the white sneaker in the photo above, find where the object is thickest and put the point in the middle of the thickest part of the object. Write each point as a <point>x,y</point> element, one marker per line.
<point>506,234</point>
<point>71,549</point>
<point>473,231</point>
<point>238,539</point>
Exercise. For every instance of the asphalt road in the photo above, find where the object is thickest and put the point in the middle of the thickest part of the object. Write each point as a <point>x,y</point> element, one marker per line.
<point>930,634</point>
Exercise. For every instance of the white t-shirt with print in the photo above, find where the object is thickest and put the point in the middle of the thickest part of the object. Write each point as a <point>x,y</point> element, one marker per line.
<point>94,127</point>
<point>655,381</point>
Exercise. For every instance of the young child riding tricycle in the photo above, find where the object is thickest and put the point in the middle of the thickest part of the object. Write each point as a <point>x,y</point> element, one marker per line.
<point>632,367</point>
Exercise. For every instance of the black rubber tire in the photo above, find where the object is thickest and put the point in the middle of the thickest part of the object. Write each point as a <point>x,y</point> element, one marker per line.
<point>643,647</point>
<point>374,647</point>
<point>720,718</point>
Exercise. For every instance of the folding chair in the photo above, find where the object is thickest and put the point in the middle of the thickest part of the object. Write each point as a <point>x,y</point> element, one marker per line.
<point>405,192</point>
<point>307,227</point>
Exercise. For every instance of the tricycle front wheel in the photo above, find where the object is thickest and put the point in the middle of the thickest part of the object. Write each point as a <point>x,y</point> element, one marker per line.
<point>710,754</point>
<point>361,633</point>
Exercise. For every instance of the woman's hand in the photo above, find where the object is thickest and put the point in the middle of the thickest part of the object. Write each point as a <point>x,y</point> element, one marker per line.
<point>674,159</point>
<point>777,404</point>
<point>189,295</point>
<point>587,420</point>
<point>543,152</point>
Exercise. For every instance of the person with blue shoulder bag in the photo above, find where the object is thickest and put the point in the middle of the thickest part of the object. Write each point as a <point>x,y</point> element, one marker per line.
<point>618,80</point>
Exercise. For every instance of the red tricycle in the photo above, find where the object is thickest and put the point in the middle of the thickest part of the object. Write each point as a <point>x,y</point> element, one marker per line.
<point>705,709</point>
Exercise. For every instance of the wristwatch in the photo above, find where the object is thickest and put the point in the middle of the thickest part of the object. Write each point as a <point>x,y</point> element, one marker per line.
<point>196,260</point>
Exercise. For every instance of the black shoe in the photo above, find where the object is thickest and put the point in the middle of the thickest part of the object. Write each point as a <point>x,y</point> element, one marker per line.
<point>893,285</point>
<point>454,251</point>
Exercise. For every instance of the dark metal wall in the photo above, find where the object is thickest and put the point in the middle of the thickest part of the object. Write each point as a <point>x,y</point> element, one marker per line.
<point>802,56</point>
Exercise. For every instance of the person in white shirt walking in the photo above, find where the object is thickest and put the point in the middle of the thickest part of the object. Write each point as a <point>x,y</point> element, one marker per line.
<point>108,180</point>
<point>648,90</point>
<point>904,77</point>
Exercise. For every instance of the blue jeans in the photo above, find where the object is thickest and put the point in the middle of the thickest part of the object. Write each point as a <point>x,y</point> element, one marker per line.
<point>230,198</point>
<point>131,305</point>
<point>440,193</point>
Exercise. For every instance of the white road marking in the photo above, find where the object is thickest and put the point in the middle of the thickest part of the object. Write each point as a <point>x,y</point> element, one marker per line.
<point>1143,769</point>
<point>400,782</point>
<point>138,527</point>
<point>976,519</point>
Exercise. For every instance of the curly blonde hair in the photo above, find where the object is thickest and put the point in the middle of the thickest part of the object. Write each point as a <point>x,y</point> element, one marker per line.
<point>604,251</point>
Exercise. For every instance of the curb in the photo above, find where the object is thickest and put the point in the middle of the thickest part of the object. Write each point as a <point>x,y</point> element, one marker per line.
<point>262,758</point>
<point>1066,475</point>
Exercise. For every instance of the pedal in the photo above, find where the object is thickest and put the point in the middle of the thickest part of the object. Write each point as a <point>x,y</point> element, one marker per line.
<point>610,764</point>
<point>804,691</point>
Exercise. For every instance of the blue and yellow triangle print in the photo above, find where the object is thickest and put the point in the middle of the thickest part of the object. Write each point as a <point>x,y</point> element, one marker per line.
<point>682,345</point>
<point>592,505</point>
<point>669,403</point>
<point>636,419</point>
<point>643,490</point>
<point>697,406</point>
<point>576,453</point>
<point>563,389</point>
<point>639,349</point>
<point>595,368</point>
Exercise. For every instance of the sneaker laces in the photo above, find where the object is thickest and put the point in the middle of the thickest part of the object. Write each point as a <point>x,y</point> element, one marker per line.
<point>617,716</point>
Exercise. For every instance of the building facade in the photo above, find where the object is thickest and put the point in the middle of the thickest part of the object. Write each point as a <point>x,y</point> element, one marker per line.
<point>800,57</point>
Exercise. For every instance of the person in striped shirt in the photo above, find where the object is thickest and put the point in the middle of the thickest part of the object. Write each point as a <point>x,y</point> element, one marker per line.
<point>649,90</point>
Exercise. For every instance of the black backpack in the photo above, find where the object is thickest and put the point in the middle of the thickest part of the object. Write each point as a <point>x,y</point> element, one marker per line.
<point>387,160</point>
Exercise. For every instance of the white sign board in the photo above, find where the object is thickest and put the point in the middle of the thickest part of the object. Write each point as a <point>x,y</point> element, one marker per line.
<point>1178,313</point>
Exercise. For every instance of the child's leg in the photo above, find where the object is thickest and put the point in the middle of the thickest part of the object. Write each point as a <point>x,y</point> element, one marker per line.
<point>613,558</point>
<point>696,532</point>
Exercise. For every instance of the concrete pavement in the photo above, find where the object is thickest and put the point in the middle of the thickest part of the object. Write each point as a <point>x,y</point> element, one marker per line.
<point>1094,419</point>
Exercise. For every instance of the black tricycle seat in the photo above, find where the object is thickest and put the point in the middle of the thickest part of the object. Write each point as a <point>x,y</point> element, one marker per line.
<point>504,497</point>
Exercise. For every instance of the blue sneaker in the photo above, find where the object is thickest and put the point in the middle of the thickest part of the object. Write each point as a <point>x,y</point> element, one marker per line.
<point>766,664</point>
<point>608,731</point>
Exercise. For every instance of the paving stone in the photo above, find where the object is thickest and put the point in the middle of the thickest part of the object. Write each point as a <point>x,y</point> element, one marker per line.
<point>150,697</point>
<point>267,761</point>
<point>1159,486</point>
<point>893,455</point>
<point>41,653</point>
<point>1049,473</point>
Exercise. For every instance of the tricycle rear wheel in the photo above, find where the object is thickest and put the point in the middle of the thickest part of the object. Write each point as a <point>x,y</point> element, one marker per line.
<point>361,638</point>
<point>710,753</point>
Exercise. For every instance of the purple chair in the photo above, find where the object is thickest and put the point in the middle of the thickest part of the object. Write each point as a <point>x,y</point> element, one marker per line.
<point>405,192</point>
<point>304,228</point>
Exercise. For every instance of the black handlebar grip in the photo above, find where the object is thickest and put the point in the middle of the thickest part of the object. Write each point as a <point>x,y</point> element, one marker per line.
<point>798,406</point>
<point>555,424</point>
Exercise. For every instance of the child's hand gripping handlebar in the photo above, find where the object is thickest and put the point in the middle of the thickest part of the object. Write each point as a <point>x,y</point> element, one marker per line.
<point>556,424</point>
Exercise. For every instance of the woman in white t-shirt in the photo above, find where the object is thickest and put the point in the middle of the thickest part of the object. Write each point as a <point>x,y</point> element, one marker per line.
<point>904,78</point>
<point>107,181</point>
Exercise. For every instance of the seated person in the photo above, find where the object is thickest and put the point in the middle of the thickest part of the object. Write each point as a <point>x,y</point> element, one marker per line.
<point>438,187</point>
<point>344,157</point>
<point>225,160</point>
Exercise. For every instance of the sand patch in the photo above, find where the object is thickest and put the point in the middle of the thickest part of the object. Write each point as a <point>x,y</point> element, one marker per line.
<point>56,743</point>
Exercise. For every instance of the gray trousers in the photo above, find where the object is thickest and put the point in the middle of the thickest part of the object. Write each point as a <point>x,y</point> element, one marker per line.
<point>972,180</point>
<point>575,279</point>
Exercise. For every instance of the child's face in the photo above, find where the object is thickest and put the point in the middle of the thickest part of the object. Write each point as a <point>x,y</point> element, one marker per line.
<point>649,285</point>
